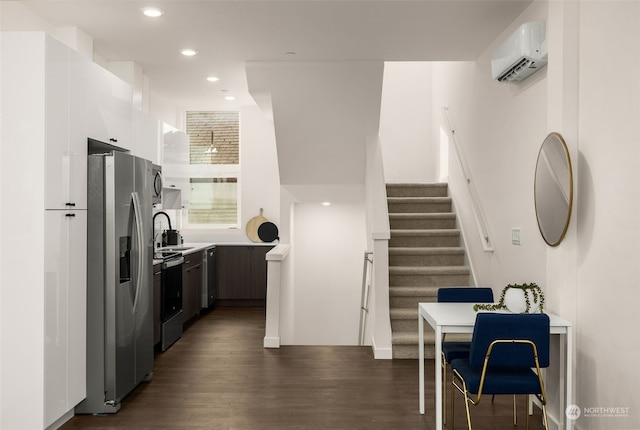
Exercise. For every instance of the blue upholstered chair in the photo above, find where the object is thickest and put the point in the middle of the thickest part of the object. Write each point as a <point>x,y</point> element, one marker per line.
<point>452,350</point>
<point>465,294</point>
<point>459,349</point>
<point>506,355</point>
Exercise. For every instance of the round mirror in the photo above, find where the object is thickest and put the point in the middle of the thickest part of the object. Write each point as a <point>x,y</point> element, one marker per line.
<point>553,189</point>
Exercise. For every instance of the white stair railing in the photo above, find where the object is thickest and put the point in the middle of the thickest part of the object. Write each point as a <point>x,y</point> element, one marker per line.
<point>364,297</point>
<point>476,207</point>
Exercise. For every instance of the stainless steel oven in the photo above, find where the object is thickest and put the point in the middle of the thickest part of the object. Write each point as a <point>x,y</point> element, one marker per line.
<point>171,298</point>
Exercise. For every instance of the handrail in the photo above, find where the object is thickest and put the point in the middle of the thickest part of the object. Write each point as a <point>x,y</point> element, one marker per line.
<point>476,207</point>
<point>364,297</point>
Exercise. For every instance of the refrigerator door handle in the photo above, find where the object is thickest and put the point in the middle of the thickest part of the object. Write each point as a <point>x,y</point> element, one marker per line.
<point>141,249</point>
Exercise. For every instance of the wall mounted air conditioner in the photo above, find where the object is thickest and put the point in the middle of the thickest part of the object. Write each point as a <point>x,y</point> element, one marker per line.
<point>523,53</point>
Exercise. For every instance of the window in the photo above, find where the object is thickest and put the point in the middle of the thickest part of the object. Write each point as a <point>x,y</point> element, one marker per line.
<point>214,159</point>
<point>213,201</point>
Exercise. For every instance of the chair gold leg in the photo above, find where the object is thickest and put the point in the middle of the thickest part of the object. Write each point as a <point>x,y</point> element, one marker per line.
<point>444,391</point>
<point>544,416</point>
<point>453,400</point>
<point>466,405</point>
<point>515,412</point>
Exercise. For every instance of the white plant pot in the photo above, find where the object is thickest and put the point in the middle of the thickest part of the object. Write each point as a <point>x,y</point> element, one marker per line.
<point>515,301</point>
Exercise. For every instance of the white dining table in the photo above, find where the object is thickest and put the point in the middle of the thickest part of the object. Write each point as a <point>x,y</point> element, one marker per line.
<point>460,318</point>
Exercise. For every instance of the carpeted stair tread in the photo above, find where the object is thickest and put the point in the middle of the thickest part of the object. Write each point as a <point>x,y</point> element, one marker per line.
<point>419,190</point>
<point>407,250</point>
<point>443,186</point>
<point>422,215</point>
<point>426,232</point>
<point>413,199</point>
<point>404,313</point>
<point>422,220</point>
<point>429,270</point>
<point>425,254</point>
<point>412,338</point>
<point>419,291</point>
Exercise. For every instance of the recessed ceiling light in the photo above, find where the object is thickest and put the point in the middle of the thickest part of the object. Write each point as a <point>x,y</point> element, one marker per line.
<point>290,53</point>
<point>152,12</point>
<point>229,98</point>
<point>213,79</point>
<point>188,52</point>
<point>326,203</point>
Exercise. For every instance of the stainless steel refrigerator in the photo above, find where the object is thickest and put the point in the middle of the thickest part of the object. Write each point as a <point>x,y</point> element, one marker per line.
<point>119,279</point>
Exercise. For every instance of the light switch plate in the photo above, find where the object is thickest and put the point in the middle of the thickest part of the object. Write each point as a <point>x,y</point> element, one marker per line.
<point>515,236</point>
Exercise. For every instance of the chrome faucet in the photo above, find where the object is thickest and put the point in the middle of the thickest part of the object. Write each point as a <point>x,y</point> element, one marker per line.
<point>154,225</point>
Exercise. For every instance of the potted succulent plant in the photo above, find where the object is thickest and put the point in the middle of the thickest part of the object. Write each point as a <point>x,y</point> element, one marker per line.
<point>517,298</point>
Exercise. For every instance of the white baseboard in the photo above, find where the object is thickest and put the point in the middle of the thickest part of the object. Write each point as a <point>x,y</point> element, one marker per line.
<point>271,342</point>
<point>381,353</point>
<point>60,421</point>
<point>554,424</point>
<point>553,421</point>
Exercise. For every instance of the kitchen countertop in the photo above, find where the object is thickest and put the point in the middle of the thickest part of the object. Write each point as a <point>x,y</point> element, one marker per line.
<point>191,247</point>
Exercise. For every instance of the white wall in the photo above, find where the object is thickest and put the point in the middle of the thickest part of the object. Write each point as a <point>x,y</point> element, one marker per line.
<point>259,180</point>
<point>322,276</point>
<point>165,111</point>
<point>259,164</point>
<point>406,123</point>
<point>499,128</point>
<point>591,278</point>
<point>608,227</point>
<point>327,246</point>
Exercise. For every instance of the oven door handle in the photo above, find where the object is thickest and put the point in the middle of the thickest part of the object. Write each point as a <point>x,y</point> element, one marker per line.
<point>173,262</point>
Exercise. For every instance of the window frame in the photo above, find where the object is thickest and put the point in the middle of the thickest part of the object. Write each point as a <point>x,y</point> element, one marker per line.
<point>207,171</point>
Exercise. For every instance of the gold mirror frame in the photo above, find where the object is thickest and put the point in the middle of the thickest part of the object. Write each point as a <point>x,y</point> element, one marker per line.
<point>553,189</point>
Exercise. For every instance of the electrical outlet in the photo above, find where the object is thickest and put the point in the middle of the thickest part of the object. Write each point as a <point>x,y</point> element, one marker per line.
<point>515,236</point>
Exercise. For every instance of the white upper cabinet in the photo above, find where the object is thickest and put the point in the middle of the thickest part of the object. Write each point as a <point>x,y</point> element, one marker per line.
<point>65,130</point>
<point>78,130</point>
<point>110,108</point>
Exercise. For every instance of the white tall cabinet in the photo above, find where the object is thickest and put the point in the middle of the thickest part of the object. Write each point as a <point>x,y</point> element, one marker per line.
<point>43,222</point>
<point>51,100</point>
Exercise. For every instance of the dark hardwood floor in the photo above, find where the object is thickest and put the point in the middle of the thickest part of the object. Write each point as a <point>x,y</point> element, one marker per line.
<point>218,376</point>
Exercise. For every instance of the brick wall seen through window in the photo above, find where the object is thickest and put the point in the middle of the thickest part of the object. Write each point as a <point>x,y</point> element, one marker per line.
<point>214,137</point>
<point>214,146</point>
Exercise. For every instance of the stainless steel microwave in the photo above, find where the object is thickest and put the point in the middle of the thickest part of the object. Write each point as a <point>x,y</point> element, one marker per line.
<point>156,177</point>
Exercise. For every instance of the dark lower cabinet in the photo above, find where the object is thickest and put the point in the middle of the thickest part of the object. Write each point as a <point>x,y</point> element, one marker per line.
<point>192,283</point>
<point>242,274</point>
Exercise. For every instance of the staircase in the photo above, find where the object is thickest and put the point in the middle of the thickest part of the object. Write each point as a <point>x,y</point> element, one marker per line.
<point>424,255</point>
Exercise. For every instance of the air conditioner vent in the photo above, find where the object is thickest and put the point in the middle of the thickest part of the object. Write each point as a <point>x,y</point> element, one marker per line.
<point>521,55</point>
<point>515,73</point>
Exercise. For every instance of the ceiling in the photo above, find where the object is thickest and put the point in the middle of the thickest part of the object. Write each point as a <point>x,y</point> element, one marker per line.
<point>228,34</point>
<point>315,68</point>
